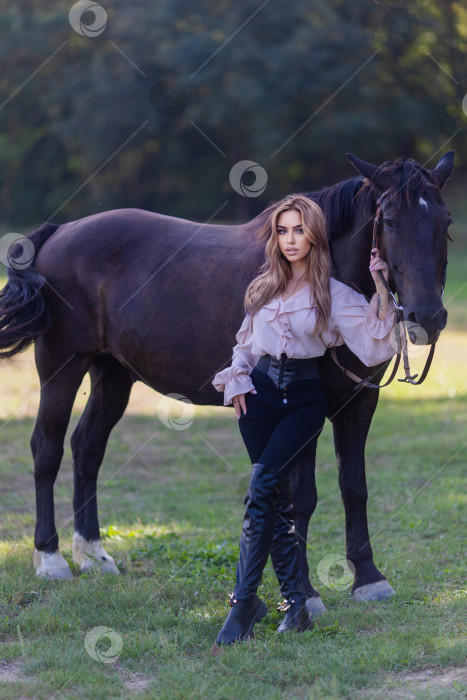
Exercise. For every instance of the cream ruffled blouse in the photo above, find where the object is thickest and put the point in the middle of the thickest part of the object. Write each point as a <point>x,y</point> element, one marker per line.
<point>288,327</point>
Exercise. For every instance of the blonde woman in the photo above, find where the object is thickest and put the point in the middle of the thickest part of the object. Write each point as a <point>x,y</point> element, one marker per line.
<point>295,310</point>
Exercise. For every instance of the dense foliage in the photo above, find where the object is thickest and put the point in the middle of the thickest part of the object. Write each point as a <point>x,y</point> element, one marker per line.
<point>172,93</point>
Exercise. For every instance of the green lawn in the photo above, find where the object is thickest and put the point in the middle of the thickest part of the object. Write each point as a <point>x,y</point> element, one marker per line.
<point>171,516</point>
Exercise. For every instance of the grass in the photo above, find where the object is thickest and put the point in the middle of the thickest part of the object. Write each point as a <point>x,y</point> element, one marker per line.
<point>171,515</point>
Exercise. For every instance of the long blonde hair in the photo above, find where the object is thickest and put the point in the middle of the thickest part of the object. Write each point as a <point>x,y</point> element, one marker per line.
<point>276,271</point>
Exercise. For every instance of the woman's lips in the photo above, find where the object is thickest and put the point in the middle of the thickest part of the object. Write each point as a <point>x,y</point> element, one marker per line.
<point>290,251</point>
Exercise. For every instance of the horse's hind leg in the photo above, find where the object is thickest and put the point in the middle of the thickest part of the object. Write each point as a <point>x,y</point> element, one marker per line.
<point>60,380</point>
<point>110,390</point>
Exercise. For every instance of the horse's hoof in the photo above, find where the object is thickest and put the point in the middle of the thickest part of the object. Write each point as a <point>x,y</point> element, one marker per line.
<point>51,566</point>
<point>381,590</point>
<point>109,567</point>
<point>90,554</point>
<point>315,606</point>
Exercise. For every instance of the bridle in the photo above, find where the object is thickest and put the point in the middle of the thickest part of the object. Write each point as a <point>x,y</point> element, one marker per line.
<point>401,337</point>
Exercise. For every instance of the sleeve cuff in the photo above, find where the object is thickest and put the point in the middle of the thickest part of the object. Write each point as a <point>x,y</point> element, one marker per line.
<point>376,327</point>
<point>232,381</point>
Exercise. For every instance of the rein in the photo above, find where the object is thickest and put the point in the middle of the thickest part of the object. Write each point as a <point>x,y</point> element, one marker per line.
<point>400,324</point>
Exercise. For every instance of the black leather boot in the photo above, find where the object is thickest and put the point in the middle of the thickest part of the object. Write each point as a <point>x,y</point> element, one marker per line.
<point>285,556</point>
<point>285,549</point>
<point>255,545</point>
<point>243,616</point>
<point>297,618</point>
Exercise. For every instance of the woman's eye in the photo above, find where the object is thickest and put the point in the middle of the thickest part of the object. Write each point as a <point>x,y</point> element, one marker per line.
<point>299,230</point>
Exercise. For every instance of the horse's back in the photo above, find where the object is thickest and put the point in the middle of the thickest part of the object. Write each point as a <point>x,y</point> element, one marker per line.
<point>122,236</point>
<point>143,286</point>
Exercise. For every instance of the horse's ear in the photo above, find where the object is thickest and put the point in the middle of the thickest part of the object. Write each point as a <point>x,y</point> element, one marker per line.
<point>368,170</point>
<point>444,169</point>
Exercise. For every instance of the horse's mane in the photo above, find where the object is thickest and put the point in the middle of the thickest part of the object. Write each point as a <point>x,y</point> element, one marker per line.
<point>341,202</point>
<point>408,180</point>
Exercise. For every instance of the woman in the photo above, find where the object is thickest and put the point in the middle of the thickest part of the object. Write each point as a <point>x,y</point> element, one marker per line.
<point>294,311</point>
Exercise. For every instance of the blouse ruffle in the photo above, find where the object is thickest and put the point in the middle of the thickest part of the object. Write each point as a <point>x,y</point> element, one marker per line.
<point>232,381</point>
<point>287,327</point>
<point>279,320</point>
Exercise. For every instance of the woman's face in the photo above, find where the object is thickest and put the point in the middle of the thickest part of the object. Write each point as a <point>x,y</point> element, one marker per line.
<point>293,243</point>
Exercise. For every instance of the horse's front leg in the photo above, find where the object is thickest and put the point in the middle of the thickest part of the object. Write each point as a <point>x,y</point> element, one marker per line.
<point>350,433</point>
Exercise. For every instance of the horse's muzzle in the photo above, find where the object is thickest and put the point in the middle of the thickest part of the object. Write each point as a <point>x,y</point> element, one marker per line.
<point>425,325</point>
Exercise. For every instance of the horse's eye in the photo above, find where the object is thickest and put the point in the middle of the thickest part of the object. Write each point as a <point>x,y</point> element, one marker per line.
<point>388,223</point>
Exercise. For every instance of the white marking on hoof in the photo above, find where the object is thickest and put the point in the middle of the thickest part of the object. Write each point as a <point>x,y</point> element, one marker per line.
<point>51,565</point>
<point>381,590</point>
<point>315,606</point>
<point>91,553</point>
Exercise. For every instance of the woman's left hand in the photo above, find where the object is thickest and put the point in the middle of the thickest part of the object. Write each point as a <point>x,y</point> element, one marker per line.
<point>377,263</point>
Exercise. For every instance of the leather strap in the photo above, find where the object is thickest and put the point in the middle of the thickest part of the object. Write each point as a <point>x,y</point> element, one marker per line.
<point>410,379</point>
<point>366,382</point>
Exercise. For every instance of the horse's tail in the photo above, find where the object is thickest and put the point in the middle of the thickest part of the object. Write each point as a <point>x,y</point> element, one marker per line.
<point>23,312</point>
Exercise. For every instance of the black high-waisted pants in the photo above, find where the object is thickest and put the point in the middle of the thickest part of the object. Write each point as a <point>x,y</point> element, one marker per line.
<point>276,433</point>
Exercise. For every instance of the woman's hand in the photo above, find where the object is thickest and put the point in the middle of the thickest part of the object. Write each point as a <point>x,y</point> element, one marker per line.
<point>240,404</point>
<point>382,297</point>
<point>377,263</point>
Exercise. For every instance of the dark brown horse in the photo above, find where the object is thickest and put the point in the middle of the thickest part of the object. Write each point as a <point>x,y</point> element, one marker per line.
<point>130,295</point>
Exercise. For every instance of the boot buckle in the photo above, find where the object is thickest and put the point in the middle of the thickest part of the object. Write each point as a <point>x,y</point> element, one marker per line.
<point>285,605</point>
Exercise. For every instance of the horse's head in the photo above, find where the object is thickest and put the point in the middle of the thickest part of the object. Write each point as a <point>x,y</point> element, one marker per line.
<point>413,233</point>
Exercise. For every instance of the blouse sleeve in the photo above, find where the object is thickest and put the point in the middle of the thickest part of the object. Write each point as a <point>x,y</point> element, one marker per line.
<point>236,379</point>
<point>357,325</point>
